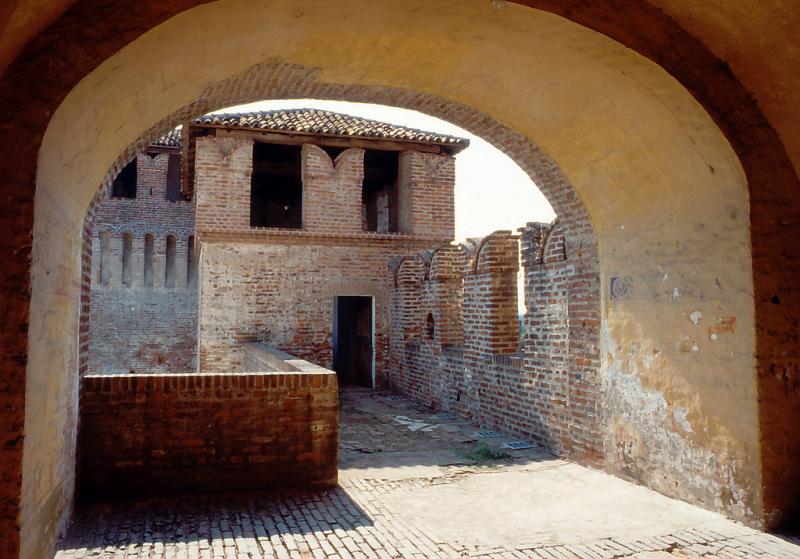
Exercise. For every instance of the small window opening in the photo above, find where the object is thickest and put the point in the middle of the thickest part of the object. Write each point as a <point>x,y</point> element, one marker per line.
<point>173,188</point>
<point>105,258</point>
<point>191,265</point>
<point>148,260</point>
<point>127,250</point>
<point>124,186</point>
<point>430,326</point>
<point>276,187</point>
<point>169,270</point>
<point>379,191</point>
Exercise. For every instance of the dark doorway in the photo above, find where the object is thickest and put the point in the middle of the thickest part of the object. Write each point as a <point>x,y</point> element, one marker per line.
<point>352,340</point>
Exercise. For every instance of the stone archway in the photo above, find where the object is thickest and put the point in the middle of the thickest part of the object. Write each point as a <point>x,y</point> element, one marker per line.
<point>668,191</point>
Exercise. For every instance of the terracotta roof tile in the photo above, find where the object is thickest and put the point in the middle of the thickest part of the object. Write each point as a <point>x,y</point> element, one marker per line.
<point>171,139</point>
<point>328,123</point>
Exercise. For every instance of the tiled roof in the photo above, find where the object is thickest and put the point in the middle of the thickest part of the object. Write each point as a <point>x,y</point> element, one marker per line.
<point>328,123</point>
<point>171,139</point>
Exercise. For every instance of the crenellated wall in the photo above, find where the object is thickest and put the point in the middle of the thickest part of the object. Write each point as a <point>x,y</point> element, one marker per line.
<point>561,355</point>
<point>142,311</point>
<point>222,170</point>
<point>455,338</point>
<point>332,190</point>
<point>490,296</point>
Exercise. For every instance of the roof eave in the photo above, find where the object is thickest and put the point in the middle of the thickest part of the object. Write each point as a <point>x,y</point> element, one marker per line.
<point>452,148</point>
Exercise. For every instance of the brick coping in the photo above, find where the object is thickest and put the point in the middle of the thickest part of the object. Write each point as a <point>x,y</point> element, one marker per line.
<point>310,370</point>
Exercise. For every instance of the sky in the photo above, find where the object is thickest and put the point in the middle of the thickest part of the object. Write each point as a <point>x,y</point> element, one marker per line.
<point>492,192</point>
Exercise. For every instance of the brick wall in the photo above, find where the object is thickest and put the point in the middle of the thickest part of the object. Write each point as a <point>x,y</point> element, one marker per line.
<point>222,171</point>
<point>153,332</point>
<point>278,285</point>
<point>560,357</point>
<point>446,295</point>
<point>332,190</point>
<point>490,296</point>
<point>332,202</point>
<point>141,309</point>
<point>425,194</point>
<point>546,391</point>
<point>157,434</point>
<point>280,290</point>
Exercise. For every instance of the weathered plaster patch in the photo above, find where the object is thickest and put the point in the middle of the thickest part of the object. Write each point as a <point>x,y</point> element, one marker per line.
<point>722,325</point>
<point>679,415</point>
<point>652,440</point>
<point>688,345</point>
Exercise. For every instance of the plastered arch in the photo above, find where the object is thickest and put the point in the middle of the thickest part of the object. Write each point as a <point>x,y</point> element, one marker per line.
<point>672,187</point>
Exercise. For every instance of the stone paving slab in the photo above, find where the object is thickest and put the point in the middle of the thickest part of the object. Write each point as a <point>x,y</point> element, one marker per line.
<point>428,507</point>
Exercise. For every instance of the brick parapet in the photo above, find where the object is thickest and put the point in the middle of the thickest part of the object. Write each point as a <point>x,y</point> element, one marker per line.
<point>549,393</point>
<point>426,194</point>
<point>561,351</point>
<point>409,281</point>
<point>442,292</point>
<point>170,433</point>
<point>332,190</point>
<point>332,193</point>
<point>262,235</point>
<point>222,170</point>
<point>490,313</point>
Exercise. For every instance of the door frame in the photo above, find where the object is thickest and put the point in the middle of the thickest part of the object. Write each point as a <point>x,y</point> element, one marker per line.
<point>335,328</point>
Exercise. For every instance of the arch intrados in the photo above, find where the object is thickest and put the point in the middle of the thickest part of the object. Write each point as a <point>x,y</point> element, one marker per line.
<point>525,153</point>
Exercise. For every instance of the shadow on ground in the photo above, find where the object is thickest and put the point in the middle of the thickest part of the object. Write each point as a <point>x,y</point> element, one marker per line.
<point>419,484</point>
<point>218,519</point>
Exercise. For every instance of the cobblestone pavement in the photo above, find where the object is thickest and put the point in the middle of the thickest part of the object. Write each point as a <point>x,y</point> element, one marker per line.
<point>404,470</point>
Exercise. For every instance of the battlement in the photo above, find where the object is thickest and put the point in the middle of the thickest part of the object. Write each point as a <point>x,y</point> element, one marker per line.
<point>461,294</point>
<point>459,342</point>
<point>244,184</point>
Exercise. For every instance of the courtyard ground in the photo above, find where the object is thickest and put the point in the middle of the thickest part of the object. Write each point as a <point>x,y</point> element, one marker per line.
<point>417,484</point>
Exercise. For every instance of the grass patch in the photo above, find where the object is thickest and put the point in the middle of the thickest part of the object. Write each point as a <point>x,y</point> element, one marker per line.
<point>482,452</point>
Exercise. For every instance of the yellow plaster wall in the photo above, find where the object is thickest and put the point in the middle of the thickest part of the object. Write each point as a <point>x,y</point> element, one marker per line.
<point>664,190</point>
<point>759,40</point>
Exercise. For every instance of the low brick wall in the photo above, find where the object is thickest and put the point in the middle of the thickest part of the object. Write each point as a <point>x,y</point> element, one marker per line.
<point>153,434</point>
<point>259,356</point>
